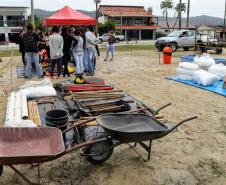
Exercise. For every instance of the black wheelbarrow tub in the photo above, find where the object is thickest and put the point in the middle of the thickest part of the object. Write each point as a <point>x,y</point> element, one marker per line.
<point>29,145</point>
<point>131,127</point>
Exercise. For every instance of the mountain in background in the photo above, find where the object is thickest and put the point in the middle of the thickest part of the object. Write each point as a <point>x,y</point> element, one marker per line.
<point>196,21</point>
<point>206,20</point>
<point>200,20</point>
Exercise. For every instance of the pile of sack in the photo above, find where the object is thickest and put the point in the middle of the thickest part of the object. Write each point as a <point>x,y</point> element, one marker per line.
<point>203,70</point>
<point>186,70</point>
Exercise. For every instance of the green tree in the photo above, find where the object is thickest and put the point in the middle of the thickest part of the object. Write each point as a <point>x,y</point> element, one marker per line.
<point>180,7</point>
<point>106,27</point>
<point>165,6</point>
<point>38,22</point>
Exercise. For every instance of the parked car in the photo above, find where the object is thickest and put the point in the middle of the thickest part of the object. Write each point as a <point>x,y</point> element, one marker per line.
<point>118,37</point>
<point>179,39</point>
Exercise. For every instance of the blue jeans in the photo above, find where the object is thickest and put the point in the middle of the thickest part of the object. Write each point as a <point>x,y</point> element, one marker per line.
<point>30,58</point>
<point>79,62</point>
<point>89,59</point>
<point>59,66</point>
<point>111,48</point>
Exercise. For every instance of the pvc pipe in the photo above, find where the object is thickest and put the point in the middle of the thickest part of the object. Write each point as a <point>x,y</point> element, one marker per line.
<point>18,106</point>
<point>24,107</point>
<point>10,107</point>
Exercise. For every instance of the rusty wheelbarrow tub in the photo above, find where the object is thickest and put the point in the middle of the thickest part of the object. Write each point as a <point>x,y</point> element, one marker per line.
<point>28,145</point>
<point>32,146</point>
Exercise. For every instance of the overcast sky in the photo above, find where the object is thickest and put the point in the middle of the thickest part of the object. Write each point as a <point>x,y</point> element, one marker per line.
<point>198,7</point>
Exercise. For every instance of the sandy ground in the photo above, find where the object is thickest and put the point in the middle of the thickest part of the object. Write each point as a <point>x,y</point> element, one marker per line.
<point>195,155</point>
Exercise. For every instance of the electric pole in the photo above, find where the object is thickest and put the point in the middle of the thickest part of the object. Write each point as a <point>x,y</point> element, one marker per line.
<point>180,16</point>
<point>225,14</point>
<point>97,28</point>
<point>188,14</point>
<point>32,12</point>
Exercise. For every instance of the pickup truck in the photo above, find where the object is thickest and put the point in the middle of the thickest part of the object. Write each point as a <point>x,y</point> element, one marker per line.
<point>186,39</point>
<point>179,39</point>
<point>118,37</point>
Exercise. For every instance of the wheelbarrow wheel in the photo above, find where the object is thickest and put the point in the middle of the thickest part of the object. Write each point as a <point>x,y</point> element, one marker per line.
<point>90,151</point>
<point>1,169</point>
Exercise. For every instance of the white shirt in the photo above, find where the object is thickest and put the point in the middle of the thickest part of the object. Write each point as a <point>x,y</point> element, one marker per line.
<point>91,40</point>
<point>56,44</point>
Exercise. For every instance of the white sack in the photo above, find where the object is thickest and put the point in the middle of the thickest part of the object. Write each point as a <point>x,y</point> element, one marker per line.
<point>36,89</point>
<point>42,91</point>
<point>219,70</point>
<point>181,71</point>
<point>205,61</point>
<point>204,78</point>
<point>184,77</point>
<point>189,66</point>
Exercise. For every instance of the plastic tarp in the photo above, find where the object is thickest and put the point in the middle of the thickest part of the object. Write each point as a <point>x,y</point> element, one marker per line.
<point>216,87</point>
<point>68,16</point>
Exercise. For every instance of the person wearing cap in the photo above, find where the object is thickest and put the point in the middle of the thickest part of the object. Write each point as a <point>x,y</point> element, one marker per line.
<point>91,41</point>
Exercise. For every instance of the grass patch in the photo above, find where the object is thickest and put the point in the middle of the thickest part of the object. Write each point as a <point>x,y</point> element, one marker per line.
<point>214,166</point>
<point>7,53</point>
<point>133,47</point>
<point>217,169</point>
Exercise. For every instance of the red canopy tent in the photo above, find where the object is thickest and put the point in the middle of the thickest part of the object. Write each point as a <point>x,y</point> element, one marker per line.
<point>68,16</point>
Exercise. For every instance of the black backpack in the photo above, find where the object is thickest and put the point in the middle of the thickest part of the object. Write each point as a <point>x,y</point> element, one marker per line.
<point>29,43</point>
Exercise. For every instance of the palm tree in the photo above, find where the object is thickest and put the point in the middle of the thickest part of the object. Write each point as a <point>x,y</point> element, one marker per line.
<point>180,7</point>
<point>165,6</point>
<point>188,14</point>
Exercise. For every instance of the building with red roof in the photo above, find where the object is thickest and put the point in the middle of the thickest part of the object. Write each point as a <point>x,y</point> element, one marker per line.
<point>135,22</point>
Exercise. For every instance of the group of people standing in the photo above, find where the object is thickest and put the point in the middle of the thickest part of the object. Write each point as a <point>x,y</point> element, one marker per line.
<point>61,44</point>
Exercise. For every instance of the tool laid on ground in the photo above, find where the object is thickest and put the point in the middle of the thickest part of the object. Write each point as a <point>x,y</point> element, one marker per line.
<point>110,96</point>
<point>118,102</point>
<point>75,88</point>
<point>45,102</point>
<point>95,110</point>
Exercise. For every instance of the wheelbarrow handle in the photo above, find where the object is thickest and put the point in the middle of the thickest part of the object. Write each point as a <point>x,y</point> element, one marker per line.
<point>180,123</point>
<point>160,108</point>
<point>78,124</point>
